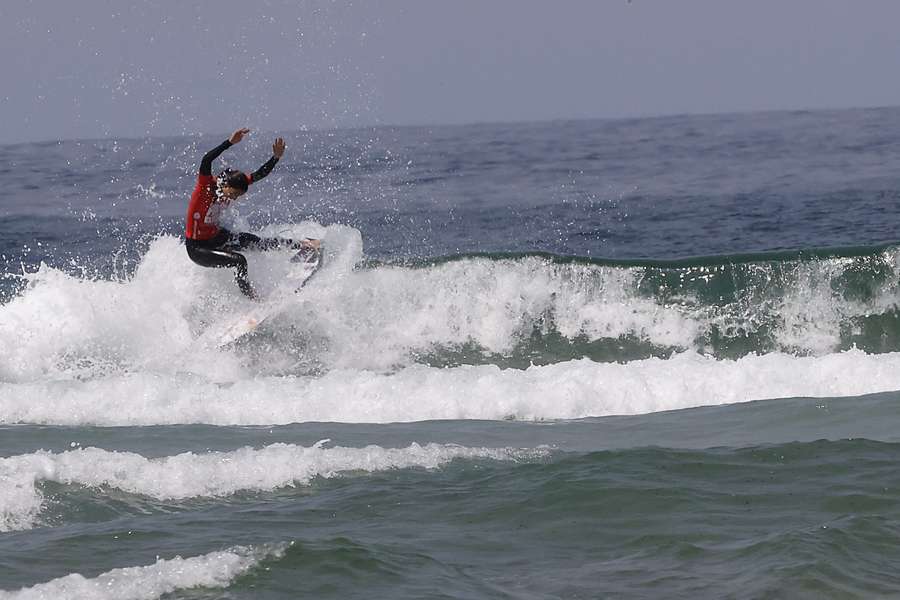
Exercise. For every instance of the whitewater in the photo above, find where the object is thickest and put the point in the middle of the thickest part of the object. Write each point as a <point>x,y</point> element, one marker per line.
<point>365,344</point>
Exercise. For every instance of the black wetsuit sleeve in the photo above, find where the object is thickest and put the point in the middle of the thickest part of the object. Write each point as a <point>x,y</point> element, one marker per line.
<point>209,157</point>
<point>265,169</point>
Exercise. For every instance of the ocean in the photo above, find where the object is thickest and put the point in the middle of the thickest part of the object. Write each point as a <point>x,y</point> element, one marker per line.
<point>645,358</point>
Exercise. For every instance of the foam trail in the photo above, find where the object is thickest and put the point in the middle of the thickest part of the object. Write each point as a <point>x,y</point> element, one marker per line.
<point>212,474</point>
<point>573,389</point>
<point>213,570</point>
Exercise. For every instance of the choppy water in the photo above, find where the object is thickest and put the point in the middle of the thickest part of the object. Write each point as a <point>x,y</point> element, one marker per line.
<point>526,370</point>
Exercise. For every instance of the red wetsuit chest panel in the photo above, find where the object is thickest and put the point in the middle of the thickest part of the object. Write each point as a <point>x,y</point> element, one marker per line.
<point>203,211</point>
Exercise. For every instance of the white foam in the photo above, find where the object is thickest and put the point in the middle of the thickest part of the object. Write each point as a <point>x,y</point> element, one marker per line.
<point>376,319</point>
<point>211,474</point>
<point>572,389</point>
<point>77,351</point>
<point>64,326</point>
<point>70,326</point>
<point>213,570</point>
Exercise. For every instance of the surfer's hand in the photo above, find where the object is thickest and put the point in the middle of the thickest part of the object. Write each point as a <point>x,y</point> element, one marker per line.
<point>278,148</point>
<point>238,135</point>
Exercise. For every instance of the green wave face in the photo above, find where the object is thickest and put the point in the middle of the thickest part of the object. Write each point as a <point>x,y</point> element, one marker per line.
<point>810,302</point>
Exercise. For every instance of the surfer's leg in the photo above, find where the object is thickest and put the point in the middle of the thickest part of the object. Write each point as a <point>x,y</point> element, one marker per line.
<point>242,277</point>
<point>220,258</point>
<point>254,242</point>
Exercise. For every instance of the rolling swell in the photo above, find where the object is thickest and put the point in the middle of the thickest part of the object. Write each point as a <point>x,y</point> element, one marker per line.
<point>633,522</point>
<point>803,302</point>
<point>637,516</point>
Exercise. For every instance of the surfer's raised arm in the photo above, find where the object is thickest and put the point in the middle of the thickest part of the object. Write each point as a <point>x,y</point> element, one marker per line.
<point>209,244</point>
<point>209,157</point>
<point>277,153</point>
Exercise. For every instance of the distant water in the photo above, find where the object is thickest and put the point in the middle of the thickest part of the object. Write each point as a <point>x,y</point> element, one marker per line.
<point>625,359</point>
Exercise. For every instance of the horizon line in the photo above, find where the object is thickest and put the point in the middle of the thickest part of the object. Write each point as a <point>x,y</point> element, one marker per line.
<point>472,123</point>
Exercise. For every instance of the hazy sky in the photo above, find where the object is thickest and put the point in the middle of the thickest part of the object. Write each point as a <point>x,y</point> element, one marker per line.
<point>98,68</point>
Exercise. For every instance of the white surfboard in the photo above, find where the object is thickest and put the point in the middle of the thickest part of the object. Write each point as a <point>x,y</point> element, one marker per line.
<point>306,263</point>
<point>243,325</point>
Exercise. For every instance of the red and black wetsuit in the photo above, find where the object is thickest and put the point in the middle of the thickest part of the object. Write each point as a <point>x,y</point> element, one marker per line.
<point>207,243</point>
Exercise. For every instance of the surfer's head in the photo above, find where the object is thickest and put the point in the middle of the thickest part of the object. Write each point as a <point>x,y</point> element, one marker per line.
<point>232,183</point>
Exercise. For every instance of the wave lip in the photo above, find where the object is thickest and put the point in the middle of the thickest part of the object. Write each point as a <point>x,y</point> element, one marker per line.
<point>212,474</point>
<point>213,570</point>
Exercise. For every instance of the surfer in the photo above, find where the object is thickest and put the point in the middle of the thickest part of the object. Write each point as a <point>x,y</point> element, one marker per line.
<point>210,245</point>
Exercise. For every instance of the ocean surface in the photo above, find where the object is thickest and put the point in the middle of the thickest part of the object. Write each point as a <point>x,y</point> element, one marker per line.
<point>651,358</point>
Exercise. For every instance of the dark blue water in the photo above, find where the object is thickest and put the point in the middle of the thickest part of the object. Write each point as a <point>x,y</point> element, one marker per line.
<point>662,188</point>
